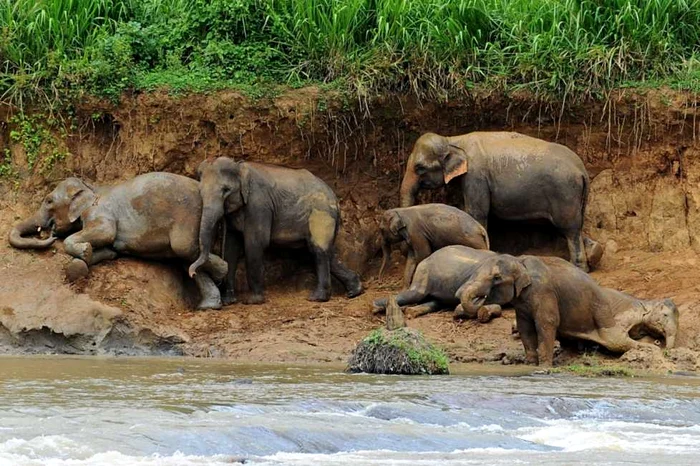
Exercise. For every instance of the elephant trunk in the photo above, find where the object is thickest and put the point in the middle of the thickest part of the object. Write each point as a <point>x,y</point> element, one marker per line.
<point>670,333</point>
<point>409,186</point>
<point>211,214</point>
<point>386,255</point>
<point>471,299</point>
<point>31,225</point>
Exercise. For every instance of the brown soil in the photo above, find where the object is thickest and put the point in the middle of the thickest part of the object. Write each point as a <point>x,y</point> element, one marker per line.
<point>641,151</point>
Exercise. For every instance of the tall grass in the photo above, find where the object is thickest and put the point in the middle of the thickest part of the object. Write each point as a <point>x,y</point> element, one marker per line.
<point>561,48</point>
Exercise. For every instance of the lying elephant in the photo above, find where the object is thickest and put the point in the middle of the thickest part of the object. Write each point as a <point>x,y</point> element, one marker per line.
<point>553,298</point>
<point>155,215</point>
<point>269,204</point>
<point>509,175</point>
<point>440,276</point>
<point>425,229</point>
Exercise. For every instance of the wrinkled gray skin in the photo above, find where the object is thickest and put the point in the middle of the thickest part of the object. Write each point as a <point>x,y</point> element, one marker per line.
<point>425,229</point>
<point>510,175</point>
<point>155,215</point>
<point>437,279</point>
<point>269,204</point>
<point>556,299</point>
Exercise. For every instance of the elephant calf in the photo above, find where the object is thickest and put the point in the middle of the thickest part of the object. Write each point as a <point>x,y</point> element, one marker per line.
<point>425,229</point>
<point>440,276</point>
<point>269,204</point>
<point>155,215</point>
<point>554,298</point>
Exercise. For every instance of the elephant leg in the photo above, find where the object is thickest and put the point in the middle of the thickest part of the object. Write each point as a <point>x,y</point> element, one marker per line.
<point>546,334</point>
<point>256,240</point>
<point>232,254</point>
<point>102,254</point>
<point>211,297</point>
<point>488,312</point>
<point>410,268</point>
<point>322,293</point>
<point>577,251</point>
<point>528,335</point>
<point>426,308</point>
<point>97,233</point>
<point>404,298</point>
<point>216,267</point>
<point>349,279</point>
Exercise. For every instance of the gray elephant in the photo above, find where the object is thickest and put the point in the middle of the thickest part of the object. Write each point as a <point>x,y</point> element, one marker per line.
<point>439,277</point>
<point>425,229</point>
<point>509,175</point>
<point>269,204</point>
<point>552,298</point>
<point>155,215</point>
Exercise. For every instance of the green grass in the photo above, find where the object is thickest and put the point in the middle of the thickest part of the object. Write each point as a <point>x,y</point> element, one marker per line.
<point>559,49</point>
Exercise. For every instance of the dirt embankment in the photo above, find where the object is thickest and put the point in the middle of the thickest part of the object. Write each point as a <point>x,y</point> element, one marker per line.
<point>642,152</point>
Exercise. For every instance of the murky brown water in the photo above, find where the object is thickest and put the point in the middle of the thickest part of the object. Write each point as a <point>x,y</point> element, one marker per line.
<point>92,411</point>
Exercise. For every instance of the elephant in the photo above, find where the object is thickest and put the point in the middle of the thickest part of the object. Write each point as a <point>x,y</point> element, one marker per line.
<point>553,298</point>
<point>154,215</point>
<point>507,174</point>
<point>439,277</point>
<point>270,204</point>
<point>425,229</point>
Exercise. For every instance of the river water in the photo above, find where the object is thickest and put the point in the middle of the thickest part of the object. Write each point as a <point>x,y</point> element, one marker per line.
<point>122,411</point>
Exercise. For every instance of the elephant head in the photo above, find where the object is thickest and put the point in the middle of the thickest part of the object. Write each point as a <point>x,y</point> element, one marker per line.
<point>661,318</point>
<point>433,163</point>
<point>498,280</point>
<point>224,187</point>
<point>60,213</point>
<point>393,230</point>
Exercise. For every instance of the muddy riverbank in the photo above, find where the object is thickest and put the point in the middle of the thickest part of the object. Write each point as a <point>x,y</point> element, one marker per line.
<point>641,151</point>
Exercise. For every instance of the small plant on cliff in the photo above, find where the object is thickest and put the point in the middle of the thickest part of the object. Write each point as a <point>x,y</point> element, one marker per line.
<point>40,145</point>
<point>401,351</point>
<point>6,169</point>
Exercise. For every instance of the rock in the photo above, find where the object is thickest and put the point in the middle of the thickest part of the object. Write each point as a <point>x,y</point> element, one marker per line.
<point>685,359</point>
<point>644,357</point>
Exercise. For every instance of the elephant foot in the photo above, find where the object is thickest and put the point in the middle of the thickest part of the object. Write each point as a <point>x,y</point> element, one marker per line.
<point>461,314</point>
<point>76,270</point>
<point>254,299</point>
<point>228,299</point>
<point>209,304</point>
<point>531,359</point>
<point>378,308</point>
<point>319,296</point>
<point>486,313</point>
<point>355,291</point>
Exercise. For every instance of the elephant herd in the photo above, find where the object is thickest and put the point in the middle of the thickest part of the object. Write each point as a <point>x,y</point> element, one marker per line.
<point>449,263</point>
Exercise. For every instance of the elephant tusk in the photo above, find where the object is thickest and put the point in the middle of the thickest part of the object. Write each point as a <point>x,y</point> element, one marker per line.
<point>38,229</point>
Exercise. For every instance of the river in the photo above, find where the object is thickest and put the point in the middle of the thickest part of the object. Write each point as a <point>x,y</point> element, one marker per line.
<point>60,411</point>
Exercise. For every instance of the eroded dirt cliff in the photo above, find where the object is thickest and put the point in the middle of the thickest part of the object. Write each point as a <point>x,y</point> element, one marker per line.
<point>641,150</point>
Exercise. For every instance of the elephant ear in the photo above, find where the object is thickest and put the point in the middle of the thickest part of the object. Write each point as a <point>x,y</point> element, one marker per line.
<point>81,199</point>
<point>245,179</point>
<point>398,227</point>
<point>201,167</point>
<point>454,163</point>
<point>522,280</point>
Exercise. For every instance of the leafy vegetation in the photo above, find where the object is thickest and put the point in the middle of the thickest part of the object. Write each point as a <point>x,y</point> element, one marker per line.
<point>36,135</point>
<point>401,351</point>
<point>566,49</point>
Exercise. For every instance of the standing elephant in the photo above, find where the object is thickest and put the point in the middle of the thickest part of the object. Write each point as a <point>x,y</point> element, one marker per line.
<point>425,229</point>
<point>269,204</point>
<point>510,175</point>
<point>155,215</point>
<point>555,298</point>
<point>439,277</point>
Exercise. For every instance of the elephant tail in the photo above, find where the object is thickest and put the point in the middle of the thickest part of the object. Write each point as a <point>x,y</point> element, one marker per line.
<point>584,200</point>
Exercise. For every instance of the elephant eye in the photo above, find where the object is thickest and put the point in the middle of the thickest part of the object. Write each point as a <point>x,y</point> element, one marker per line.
<point>420,169</point>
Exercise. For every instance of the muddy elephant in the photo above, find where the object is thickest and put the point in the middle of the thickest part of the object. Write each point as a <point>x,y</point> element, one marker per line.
<point>269,204</point>
<point>437,280</point>
<point>509,175</point>
<point>558,300</point>
<point>425,229</point>
<point>155,215</point>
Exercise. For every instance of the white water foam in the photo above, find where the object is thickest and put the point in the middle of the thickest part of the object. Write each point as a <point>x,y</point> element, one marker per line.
<point>577,435</point>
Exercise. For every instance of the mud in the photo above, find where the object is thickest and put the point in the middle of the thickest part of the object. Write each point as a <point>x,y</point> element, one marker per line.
<point>640,149</point>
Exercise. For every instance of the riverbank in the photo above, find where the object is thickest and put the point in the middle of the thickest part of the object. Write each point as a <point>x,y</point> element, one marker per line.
<point>640,148</point>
